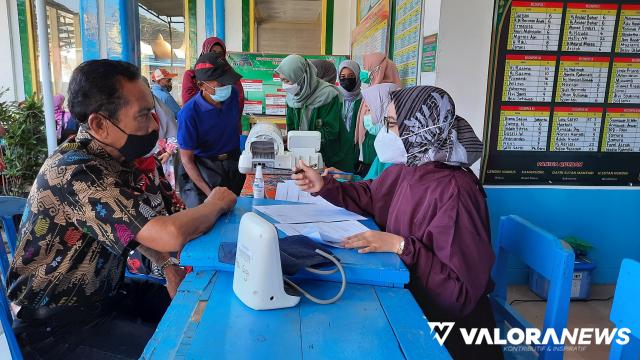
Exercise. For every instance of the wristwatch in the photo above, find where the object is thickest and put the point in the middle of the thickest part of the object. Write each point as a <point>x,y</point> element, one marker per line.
<point>400,247</point>
<point>170,261</point>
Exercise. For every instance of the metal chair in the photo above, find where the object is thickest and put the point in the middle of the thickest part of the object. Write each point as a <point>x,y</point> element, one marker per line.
<point>9,207</point>
<point>625,312</point>
<point>550,257</point>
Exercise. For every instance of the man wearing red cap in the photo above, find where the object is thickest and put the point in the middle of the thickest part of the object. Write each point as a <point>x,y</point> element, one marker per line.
<point>161,88</point>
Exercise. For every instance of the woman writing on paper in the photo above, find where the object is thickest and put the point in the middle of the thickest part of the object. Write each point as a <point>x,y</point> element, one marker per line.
<point>431,208</point>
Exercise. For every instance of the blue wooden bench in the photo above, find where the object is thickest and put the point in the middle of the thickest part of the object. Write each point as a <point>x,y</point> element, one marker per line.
<point>625,311</point>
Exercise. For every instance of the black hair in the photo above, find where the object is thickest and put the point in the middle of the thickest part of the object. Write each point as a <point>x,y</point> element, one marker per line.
<point>95,87</point>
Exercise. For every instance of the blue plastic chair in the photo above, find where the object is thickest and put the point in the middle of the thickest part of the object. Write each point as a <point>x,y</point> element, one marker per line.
<point>9,207</point>
<point>625,312</point>
<point>550,257</point>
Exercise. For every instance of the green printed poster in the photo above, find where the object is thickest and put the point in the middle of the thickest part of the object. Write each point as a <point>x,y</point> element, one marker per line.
<point>262,86</point>
<point>429,46</point>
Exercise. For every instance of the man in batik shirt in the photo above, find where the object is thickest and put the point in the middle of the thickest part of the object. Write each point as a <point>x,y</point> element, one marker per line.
<point>89,206</point>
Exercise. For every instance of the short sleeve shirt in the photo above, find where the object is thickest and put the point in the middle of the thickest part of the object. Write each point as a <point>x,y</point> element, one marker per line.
<point>207,130</point>
<point>81,218</point>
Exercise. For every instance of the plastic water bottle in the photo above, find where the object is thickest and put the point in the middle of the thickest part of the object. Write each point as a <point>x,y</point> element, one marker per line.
<point>258,184</point>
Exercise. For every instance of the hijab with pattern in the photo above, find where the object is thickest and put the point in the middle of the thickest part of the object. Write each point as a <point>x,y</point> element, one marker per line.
<point>350,97</point>
<point>313,93</point>
<point>448,138</point>
<point>383,71</point>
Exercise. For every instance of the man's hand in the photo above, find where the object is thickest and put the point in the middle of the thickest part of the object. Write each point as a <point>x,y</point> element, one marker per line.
<point>174,275</point>
<point>374,241</point>
<point>307,179</point>
<point>164,157</point>
<point>225,197</point>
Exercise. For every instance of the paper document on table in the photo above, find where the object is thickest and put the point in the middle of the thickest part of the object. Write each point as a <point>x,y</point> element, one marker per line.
<point>289,191</point>
<point>332,234</point>
<point>307,213</point>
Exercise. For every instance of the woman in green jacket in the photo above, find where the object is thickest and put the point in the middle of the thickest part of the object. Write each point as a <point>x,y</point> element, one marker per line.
<point>349,78</point>
<point>315,105</point>
<point>377,98</point>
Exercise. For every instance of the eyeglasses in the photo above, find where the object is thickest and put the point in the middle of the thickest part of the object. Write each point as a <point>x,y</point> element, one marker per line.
<point>388,122</point>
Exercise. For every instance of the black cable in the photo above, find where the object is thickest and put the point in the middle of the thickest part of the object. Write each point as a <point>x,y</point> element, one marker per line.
<point>543,300</point>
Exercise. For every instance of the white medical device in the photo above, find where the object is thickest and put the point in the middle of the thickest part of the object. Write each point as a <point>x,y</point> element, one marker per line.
<point>265,146</point>
<point>257,278</point>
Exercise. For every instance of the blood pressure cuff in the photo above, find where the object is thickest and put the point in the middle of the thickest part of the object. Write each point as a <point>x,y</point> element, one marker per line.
<point>296,252</point>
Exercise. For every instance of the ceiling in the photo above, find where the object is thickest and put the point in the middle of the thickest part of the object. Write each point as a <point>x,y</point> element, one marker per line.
<point>288,11</point>
<point>169,8</point>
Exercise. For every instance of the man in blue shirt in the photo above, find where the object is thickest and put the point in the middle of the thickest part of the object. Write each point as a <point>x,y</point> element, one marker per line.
<point>208,133</point>
<point>161,88</point>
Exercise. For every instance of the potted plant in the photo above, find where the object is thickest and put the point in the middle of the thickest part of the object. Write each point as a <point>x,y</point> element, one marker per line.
<point>25,148</point>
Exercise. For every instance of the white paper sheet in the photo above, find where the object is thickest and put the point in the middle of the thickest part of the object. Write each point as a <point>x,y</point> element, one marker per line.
<point>289,191</point>
<point>307,213</point>
<point>328,233</point>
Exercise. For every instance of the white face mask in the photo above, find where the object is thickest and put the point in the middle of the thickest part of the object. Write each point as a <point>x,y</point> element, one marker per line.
<point>390,148</point>
<point>291,89</point>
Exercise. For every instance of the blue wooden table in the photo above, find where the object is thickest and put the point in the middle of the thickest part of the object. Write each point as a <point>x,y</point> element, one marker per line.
<point>207,321</point>
<point>376,318</point>
<point>382,269</point>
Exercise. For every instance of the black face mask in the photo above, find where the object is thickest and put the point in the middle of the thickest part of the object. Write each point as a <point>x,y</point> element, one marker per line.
<point>348,84</point>
<point>137,146</point>
<point>168,87</point>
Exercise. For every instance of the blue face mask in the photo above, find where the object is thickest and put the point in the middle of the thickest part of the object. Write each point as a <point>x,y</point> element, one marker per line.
<point>370,126</point>
<point>222,93</point>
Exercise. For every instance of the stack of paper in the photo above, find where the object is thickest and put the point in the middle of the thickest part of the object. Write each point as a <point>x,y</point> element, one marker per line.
<point>289,191</point>
<point>332,234</point>
<point>307,213</point>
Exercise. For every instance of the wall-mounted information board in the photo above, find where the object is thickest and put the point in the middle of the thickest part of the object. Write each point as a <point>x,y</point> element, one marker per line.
<point>372,32</point>
<point>407,39</point>
<point>564,98</point>
<point>262,86</point>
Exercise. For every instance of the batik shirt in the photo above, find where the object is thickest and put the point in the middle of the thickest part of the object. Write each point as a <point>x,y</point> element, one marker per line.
<point>81,218</point>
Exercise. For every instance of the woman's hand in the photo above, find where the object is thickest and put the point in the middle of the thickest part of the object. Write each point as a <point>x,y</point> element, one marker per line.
<point>307,179</point>
<point>337,176</point>
<point>374,241</point>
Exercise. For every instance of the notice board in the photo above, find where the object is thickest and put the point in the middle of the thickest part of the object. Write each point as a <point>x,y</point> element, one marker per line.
<point>407,39</point>
<point>563,106</point>
<point>372,33</point>
<point>262,86</point>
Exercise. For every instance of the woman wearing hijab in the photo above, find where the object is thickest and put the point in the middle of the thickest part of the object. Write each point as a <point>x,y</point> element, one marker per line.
<point>431,209</point>
<point>326,70</point>
<point>61,115</point>
<point>350,86</point>
<point>378,69</point>
<point>189,83</point>
<point>378,98</point>
<point>314,105</point>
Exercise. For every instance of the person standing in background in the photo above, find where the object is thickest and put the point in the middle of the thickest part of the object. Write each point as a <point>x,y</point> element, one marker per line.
<point>161,88</point>
<point>208,133</point>
<point>350,86</point>
<point>326,70</point>
<point>378,69</point>
<point>189,83</point>
<point>314,105</point>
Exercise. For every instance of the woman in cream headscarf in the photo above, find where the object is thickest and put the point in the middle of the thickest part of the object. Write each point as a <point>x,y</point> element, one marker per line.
<point>378,69</point>
<point>315,105</point>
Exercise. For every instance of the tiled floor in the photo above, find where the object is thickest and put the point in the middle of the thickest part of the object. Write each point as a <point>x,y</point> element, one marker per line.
<point>581,314</point>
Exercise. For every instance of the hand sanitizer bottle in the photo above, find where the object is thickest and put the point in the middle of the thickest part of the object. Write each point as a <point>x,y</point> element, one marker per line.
<point>258,184</point>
